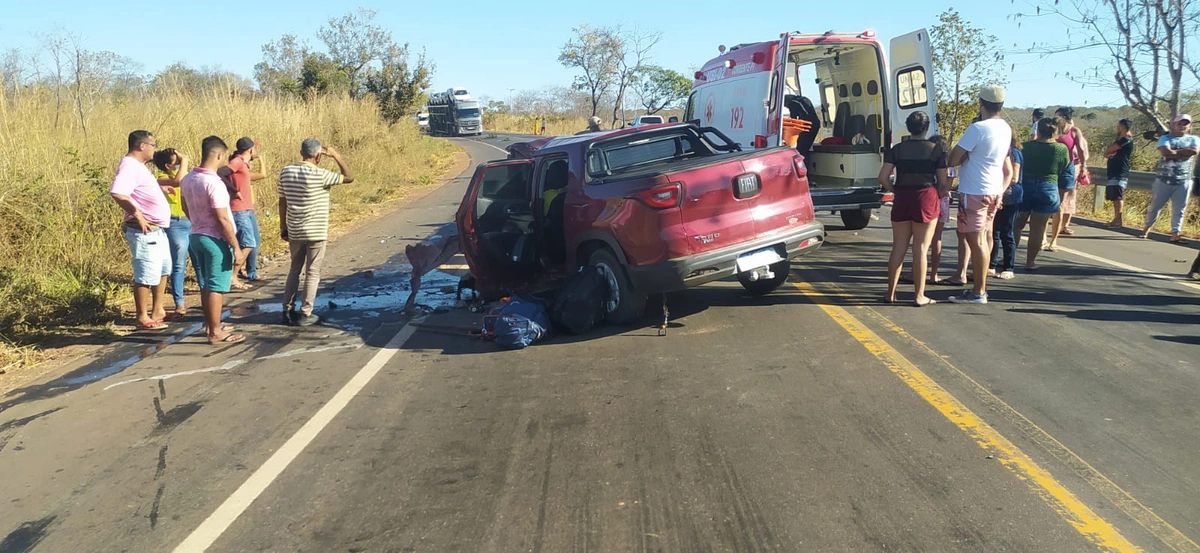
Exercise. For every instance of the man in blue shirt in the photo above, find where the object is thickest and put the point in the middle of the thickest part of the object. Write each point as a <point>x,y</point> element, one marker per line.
<point>1174,175</point>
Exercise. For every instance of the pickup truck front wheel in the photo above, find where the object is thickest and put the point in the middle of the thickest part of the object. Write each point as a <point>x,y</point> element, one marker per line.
<point>624,305</point>
<point>856,219</point>
<point>764,286</point>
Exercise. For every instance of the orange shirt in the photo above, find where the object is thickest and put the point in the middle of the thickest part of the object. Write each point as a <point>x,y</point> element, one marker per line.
<point>240,175</point>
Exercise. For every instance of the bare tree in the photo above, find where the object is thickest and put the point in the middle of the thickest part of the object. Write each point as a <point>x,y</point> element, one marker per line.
<point>56,46</point>
<point>1147,55</point>
<point>597,52</point>
<point>634,51</point>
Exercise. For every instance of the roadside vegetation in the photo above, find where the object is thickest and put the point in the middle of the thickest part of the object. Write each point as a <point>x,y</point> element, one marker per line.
<point>64,118</point>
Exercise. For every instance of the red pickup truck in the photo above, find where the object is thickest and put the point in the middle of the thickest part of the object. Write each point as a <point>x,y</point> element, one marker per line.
<point>657,209</point>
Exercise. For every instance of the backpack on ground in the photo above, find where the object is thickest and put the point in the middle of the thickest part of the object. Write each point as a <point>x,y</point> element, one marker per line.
<point>580,304</point>
<point>517,323</point>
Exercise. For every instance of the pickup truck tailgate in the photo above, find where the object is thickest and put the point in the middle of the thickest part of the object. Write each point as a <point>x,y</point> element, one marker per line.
<point>729,203</point>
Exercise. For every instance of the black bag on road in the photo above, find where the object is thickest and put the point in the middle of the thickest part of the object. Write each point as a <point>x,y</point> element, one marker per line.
<point>580,304</point>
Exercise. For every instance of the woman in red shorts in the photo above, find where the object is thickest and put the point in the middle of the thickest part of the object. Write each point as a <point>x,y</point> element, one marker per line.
<point>921,181</point>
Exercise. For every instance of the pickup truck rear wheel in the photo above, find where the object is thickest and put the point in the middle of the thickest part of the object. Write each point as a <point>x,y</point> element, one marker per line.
<point>764,286</point>
<point>625,305</point>
<point>856,219</point>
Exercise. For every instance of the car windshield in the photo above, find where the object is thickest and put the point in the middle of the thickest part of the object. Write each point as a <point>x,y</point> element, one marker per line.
<point>651,120</point>
<point>468,112</point>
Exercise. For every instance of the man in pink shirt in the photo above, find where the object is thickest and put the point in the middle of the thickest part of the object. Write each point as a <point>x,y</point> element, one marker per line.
<point>146,215</point>
<point>213,243</point>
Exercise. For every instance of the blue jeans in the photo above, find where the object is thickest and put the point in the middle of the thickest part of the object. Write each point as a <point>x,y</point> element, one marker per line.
<point>1004,246</point>
<point>248,238</point>
<point>178,236</point>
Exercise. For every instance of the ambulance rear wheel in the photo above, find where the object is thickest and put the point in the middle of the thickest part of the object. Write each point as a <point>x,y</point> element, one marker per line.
<point>855,219</point>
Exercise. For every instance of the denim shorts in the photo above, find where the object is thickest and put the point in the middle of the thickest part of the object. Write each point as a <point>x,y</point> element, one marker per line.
<point>151,252</point>
<point>1041,197</point>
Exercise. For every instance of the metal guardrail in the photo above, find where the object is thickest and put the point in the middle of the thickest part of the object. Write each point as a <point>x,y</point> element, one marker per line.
<point>1138,180</point>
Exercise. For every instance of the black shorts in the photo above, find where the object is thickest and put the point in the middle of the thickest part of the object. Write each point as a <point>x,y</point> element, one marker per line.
<point>1114,192</point>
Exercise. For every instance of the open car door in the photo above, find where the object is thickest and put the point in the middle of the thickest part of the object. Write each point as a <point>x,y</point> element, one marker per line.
<point>495,226</point>
<point>911,79</point>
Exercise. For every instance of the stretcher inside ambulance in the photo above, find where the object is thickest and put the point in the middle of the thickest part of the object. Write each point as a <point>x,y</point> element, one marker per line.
<point>851,101</point>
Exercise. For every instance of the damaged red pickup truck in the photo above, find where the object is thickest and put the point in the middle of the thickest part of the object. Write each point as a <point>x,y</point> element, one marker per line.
<point>657,209</point>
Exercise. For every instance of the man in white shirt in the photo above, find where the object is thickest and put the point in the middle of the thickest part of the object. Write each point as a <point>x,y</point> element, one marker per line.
<point>983,175</point>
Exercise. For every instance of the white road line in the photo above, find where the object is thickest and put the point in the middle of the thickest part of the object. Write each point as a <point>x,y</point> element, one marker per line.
<point>207,533</point>
<point>1130,268</point>
<point>486,144</point>
<point>234,364</point>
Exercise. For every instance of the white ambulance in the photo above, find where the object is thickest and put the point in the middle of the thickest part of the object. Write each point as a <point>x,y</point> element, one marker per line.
<point>843,84</point>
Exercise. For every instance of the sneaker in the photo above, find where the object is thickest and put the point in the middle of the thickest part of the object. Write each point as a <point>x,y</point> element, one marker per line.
<point>290,316</point>
<point>308,320</point>
<point>968,296</point>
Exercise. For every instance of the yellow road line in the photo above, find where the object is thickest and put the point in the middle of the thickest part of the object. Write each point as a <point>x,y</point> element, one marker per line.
<point>1147,518</point>
<point>1093,528</point>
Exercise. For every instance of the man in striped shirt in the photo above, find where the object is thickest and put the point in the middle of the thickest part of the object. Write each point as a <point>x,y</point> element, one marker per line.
<point>304,223</point>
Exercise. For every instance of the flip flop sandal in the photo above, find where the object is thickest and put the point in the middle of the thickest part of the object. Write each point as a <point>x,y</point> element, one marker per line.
<point>952,282</point>
<point>1006,275</point>
<point>228,339</point>
<point>1176,241</point>
<point>152,325</point>
<point>1033,268</point>
<point>929,301</point>
<point>1068,232</point>
<point>173,316</point>
<point>240,286</point>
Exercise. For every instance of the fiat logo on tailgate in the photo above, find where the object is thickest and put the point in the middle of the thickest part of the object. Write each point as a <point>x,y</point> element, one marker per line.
<point>746,186</point>
<point>707,238</point>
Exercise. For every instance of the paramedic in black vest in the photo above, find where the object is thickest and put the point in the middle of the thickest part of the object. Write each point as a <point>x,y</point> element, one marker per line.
<point>802,108</point>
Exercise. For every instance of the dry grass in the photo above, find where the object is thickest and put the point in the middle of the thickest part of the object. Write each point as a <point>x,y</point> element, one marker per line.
<point>63,262</point>
<point>556,125</point>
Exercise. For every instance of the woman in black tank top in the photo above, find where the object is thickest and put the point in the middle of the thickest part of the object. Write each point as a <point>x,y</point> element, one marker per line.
<point>921,179</point>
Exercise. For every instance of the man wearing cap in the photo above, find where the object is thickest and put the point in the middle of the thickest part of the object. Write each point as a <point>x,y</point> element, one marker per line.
<point>593,125</point>
<point>241,202</point>
<point>982,153</point>
<point>1174,175</point>
<point>304,223</point>
<point>146,215</point>
<point>1038,114</point>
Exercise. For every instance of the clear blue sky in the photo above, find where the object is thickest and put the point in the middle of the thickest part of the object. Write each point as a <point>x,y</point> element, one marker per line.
<point>493,46</point>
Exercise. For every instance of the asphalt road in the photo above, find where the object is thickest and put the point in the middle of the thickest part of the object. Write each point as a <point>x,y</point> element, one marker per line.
<point>1060,417</point>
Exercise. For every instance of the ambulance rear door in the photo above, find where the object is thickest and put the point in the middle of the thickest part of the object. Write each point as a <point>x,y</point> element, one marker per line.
<point>911,80</point>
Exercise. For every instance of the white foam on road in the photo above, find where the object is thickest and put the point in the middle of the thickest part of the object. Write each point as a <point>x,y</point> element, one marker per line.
<point>234,364</point>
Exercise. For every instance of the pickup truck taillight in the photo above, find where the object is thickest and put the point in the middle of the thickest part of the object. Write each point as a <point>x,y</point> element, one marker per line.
<point>661,197</point>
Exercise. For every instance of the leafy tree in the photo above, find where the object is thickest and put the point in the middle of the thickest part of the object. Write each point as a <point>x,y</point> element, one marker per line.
<point>283,60</point>
<point>395,86</point>
<point>659,88</point>
<point>965,59</point>
<point>354,43</point>
<point>360,58</point>
<point>321,75</point>
<point>1144,47</point>
<point>596,52</point>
